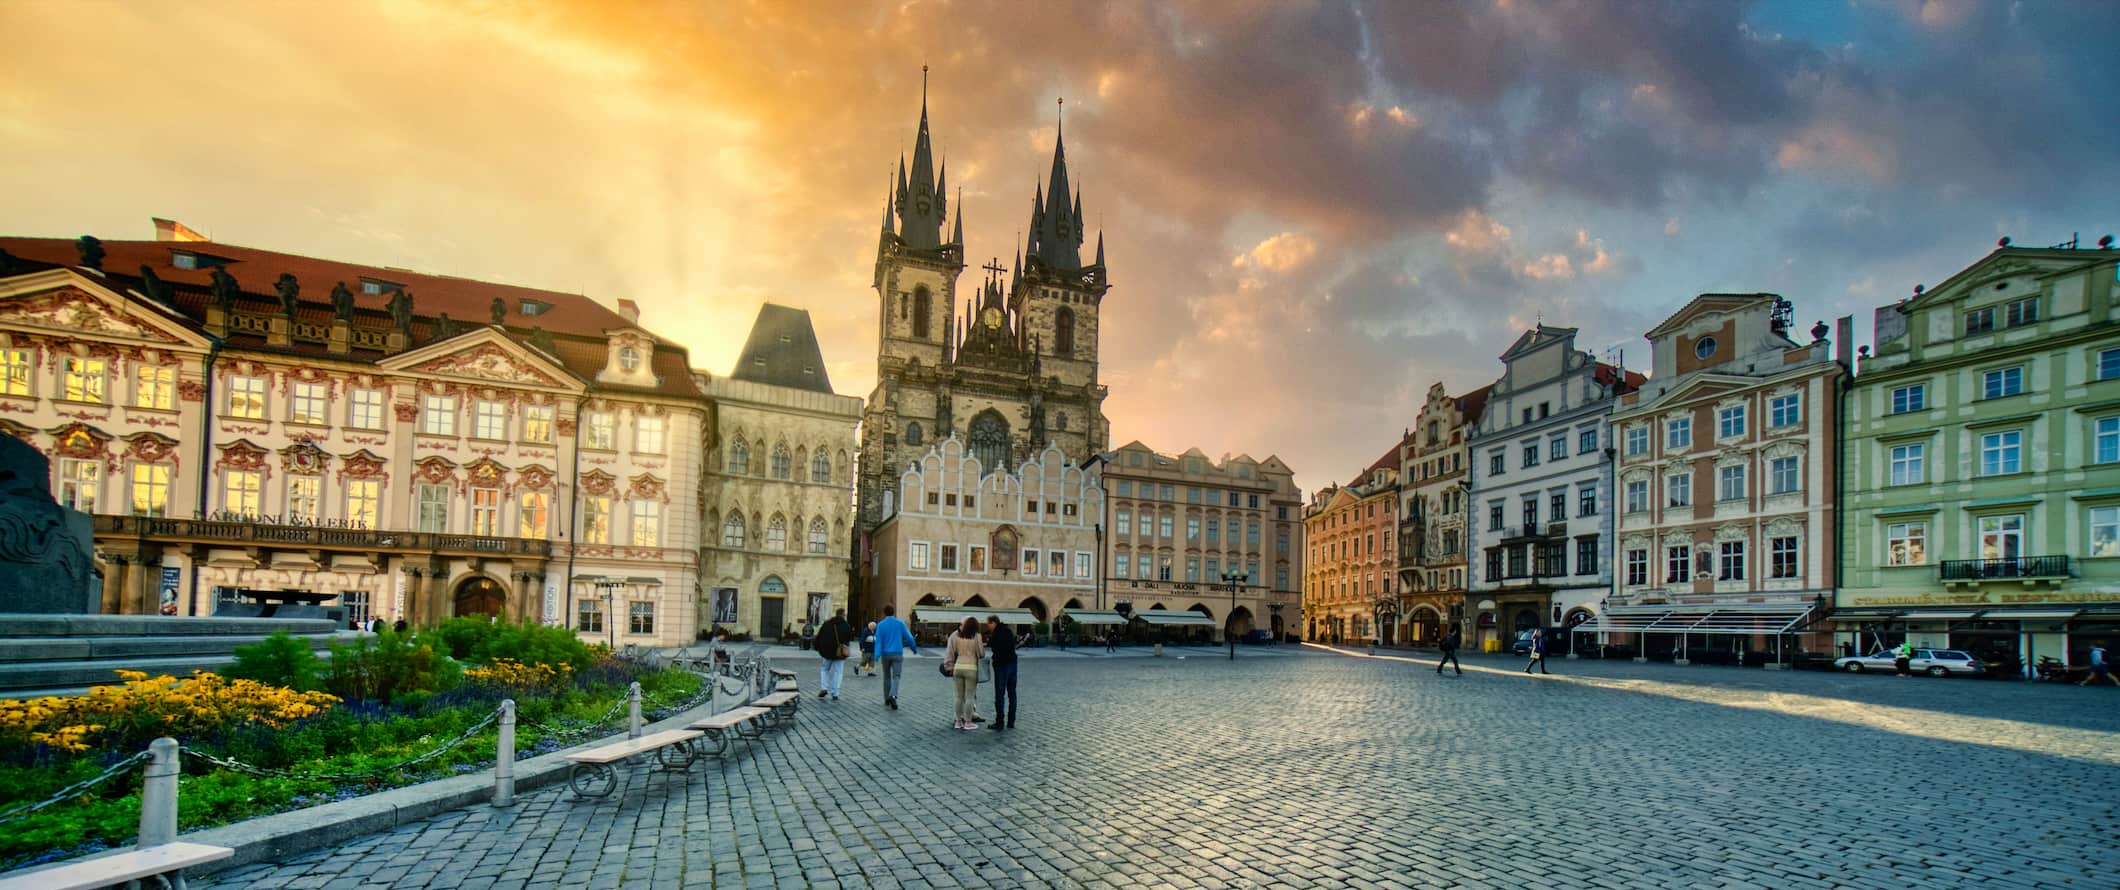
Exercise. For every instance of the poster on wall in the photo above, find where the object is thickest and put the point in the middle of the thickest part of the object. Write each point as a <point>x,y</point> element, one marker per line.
<point>551,616</point>
<point>724,605</point>
<point>170,576</point>
<point>820,608</point>
<point>397,606</point>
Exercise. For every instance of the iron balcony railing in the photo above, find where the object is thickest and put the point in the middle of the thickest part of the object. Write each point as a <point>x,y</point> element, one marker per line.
<point>2011,568</point>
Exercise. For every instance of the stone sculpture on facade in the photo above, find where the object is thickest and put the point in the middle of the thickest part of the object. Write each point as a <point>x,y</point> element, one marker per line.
<point>401,310</point>
<point>224,289</point>
<point>500,311</point>
<point>342,302</point>
<point>290,292</point>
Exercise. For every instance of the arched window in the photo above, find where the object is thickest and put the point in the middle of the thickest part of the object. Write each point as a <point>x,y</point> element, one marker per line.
<point>820,467</point>
<point>777,534</point>
<point>912,433</point>
<point>732,530</point>
<point>1060,421</point>
<point>781,462</point>
<point>920,313</point>
<point>739,457</point>
<point>817,535</point>
<point>990,441</point>
<point>1064,332</point>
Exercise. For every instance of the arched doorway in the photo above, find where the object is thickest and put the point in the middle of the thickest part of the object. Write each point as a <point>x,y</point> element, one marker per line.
<point>1072,604</point>
<point>480,595</point>
<point>1239,623</point>
<point>1037,607</point>
<point>772,608</point>
<point>976,602</point>
<point>1526,619</point>
<point>1427,627</point>
<point>1486,628</point>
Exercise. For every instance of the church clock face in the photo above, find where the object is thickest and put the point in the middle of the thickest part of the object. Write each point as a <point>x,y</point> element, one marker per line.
<point>991,318</point>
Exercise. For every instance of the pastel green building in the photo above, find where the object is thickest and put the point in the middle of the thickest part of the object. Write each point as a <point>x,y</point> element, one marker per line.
<point>1982,463</point>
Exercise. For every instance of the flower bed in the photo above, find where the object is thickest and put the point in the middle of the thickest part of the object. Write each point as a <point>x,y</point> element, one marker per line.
<point>276,746</point>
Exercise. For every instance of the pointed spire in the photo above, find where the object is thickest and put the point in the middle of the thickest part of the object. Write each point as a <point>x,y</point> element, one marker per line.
<point>888,205</point>
<point>957,226</point>
<point>1078,219</point>
<point>1100,249</point>
<point>920,204</point>
<point>1056,236</point>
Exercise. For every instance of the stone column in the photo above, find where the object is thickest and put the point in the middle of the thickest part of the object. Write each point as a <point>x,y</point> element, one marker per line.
<point>114,576</point>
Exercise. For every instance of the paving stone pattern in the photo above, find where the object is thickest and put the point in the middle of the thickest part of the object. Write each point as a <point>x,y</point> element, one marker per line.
<point>1326,771</point>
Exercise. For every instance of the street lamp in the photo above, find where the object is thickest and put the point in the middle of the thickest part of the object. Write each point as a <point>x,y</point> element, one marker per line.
<point>1234,581</point>
<point>610,593</point>
<point>1095,459</point>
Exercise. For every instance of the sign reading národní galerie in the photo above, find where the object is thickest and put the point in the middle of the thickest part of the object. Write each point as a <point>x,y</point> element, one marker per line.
<point>282,519</point>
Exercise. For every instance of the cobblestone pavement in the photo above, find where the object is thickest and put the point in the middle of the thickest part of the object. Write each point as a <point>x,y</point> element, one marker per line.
<point>1327,771</point>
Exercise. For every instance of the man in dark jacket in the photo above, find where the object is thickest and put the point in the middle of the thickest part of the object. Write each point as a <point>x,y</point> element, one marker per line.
<point>1001,644</point>
<point>1450,647</point>
<point>831,642</point>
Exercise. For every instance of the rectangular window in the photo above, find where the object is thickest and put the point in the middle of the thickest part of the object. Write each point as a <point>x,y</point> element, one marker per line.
<point>1516,562</point>
<point>438,415</point>
<point>240,492</point>
<point>1637,440</point>
<point>305,496</point>
<point>1586,555</point>
<point>364,503</point>
<point>1557,446</point>
<point>79,483</point>
<point>1163,569</point>
<point>2106,442</point>
<point>1214,531</point>
<point>246,397</point>
<point>1144,563</point>
<point>599,431</point>
<point>2002,537</point>
<point>307,404</point>
<point>1906,544</point>
<point>1494,563</point>
<point>1980,321</point>
<point>14,372</point>
<point>1192,571</point>
<point>1056,562</point>
<point>640,618</point>
<point>1586,441</point>
<point>1123,566</point>
<point>1530,454</point>
<point>974,562</point>
<point>1730,422</point>
<point>1912,397</point>
<point>596,523</point>
<point>1678,434</point>
<point>916,556</point>
<point>1123,523</point>
<point>433,504</point>
<point>1214,569</point>
<point>1784,411</point>
<point>1280,577</point>
<point>647,523</point>
<point>1164,526</point>
<point>1126,489</point>
<point>1557,506</point>
<point>1680,490</point>
<point>1496,461</point>
<point>1586,499</point>
<point>154,387</point>
<point>2001,453</point>
<point>1169,493</point>
<point>84,380</point>
<point>1192,530</point>
<point>1678,564</point>
<point>150,489</point>
<point>2108,364</point>
<point>364,409</point>
<point>648,435</point>
<point>1030,562</point>
<point>949,557</point>
<point>1731,483</point>
<point>589,616</point>
<point>1638,496</point>
<point>2105,531</point>
<point>2002,382</point>
<point>486,512</point>
<point>1529,513</point>
<point>1783,552</point>
<point>1781,475</point>
<point>2022,312</point>
<point>489,420</point>
<point>1637,567</point>
<point>1908,464</point>
<point>1494,516</point>
<point>1733,562</point>
<point>1192,495</point>
<point>533,515</point>
<point>537,424</point>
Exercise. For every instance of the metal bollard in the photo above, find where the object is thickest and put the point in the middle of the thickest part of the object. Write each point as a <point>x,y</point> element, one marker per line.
<point>158,794</point>
<point>504,758</point>
<point>633,711</point>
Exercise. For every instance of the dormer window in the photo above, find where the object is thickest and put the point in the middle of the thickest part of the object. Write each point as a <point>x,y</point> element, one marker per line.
<point>533,307</point>
<point>185,259</point>
<point>629,359</point>
<point>377,287</point>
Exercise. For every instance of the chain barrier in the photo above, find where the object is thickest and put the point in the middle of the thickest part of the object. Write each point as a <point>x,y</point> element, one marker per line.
<point>270,773</point>
<point>77,789</point>
<point>579,730</point>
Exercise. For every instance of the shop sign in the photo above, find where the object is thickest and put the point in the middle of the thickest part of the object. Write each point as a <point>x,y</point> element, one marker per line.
<point>286,519</point>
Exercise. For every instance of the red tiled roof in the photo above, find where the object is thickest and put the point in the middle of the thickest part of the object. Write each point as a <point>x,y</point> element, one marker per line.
<point>1607,375</point>
<point>1473,405</point>
<point>577,322</point>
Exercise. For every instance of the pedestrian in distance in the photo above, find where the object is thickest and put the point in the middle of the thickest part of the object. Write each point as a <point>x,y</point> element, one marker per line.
<point>1538,653</point>
<point>832,642</point>
<point>2101,670</point>
<point>1001,641</point>
<point>1903,659</point>
<point>960,660</point>
<point>893,640</point>
<point>868,651</point>
<point>1111,642</point>
<point>1449,647</point>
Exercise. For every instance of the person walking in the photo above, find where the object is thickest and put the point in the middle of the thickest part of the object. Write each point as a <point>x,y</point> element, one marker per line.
<point>1111,642</point>
<point>1903,659</point>
<point>832,641</point>
<point>2100,668</point>
<point>868,651</point>
<point>1538,652</point>
<point>1002,642</point>
<point>893,640</point>
<point>1449,646</point>
<point>961,660</point>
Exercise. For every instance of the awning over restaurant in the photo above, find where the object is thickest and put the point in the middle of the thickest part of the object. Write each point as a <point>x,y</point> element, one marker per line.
<point>1081,617</point>
<point>1743,618</point>
<point>1875,616</point>
<point>1166,616</point>
<point>934,615</point>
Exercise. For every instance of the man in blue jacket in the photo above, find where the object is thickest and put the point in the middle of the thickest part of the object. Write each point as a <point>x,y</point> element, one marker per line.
<point>893,639</point>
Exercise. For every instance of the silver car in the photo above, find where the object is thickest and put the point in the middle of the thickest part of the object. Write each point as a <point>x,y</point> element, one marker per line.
<point>1933,662</point>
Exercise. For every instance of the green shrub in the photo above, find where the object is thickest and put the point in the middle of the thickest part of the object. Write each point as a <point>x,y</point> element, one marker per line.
<point>279,660</point>
<point>480,641</point>
<point>388,666</point>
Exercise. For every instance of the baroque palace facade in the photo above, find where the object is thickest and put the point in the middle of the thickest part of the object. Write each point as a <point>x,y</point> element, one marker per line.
<point>256,430</point>
<point>1176,525</point>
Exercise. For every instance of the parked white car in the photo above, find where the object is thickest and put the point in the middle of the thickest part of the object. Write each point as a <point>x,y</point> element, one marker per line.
<point>1933,662</point>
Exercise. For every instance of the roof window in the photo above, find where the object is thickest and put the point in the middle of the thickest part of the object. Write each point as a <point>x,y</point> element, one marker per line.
<point>185,259</point>
<point>377,287</point>
<point>533,307</point>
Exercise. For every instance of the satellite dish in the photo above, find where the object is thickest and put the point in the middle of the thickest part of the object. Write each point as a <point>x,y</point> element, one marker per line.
<point>2003,242</point>
<point>2106,242</point>
<point>1919,288</point>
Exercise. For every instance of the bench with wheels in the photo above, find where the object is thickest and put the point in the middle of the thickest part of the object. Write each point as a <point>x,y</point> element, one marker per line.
<point>595,772</point>
<point>740,722</point>
<point>780,706</point>
<point>161,864</point>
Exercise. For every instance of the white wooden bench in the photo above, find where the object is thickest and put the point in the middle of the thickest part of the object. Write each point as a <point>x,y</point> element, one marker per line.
<point>787,686</point>
<point>165,860</point>
<point>781,705</point>
<point>595,776</point>
<point>741,722</point>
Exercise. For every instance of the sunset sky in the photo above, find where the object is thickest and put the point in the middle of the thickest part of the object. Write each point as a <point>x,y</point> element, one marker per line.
<point>1311,210</point>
